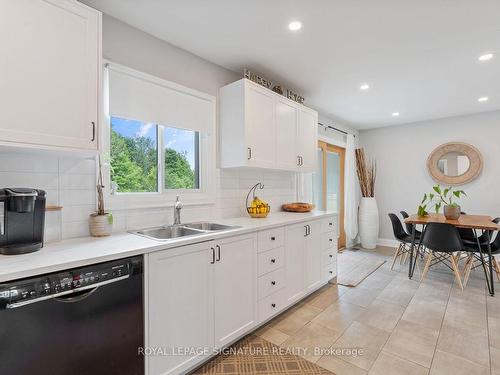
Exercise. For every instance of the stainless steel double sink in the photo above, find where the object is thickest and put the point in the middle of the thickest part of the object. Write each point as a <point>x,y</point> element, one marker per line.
<point>170,232</point>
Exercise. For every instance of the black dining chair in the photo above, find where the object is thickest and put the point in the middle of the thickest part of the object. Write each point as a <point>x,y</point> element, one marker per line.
<point>466,234</point>
<point>409,227</point>
<point>475,255</point>
<point>403,238</point>
<point>442,242</point>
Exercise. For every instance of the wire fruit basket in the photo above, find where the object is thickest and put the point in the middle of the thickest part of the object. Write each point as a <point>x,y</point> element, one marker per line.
<point>257,208</point>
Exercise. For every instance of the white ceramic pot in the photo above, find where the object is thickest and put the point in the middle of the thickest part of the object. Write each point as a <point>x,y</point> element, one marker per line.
<point>101,225</point>
<point>368,223</point>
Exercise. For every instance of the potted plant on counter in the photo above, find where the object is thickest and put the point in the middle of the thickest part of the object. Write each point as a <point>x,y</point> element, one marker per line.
<point>368,209</point>
<point>442,197</point>
<point>100,222</point>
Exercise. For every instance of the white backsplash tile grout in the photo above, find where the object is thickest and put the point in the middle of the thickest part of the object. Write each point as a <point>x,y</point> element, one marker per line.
<point>70,182</point>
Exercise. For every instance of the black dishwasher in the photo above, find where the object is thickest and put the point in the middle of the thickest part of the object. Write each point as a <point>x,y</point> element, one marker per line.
<point>85,320</point>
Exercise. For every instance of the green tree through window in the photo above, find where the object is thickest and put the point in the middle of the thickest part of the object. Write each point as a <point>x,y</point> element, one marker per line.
<point>134,150</point>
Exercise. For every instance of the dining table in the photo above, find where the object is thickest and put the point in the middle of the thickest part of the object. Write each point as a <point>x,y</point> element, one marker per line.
<point>476,223</point>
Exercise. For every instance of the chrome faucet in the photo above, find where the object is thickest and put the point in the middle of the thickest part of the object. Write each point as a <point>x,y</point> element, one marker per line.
<point>177,211</point>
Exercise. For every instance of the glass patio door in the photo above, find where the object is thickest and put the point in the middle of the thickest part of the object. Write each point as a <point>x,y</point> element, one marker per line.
<point>328,183</point>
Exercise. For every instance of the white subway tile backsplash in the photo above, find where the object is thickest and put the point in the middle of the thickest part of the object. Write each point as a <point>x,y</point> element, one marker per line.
<point>19,162</point>
<point>45,181</point>
<point>71,181</point>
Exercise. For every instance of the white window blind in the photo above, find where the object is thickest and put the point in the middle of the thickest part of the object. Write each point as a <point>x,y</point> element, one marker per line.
<point>142,97</point>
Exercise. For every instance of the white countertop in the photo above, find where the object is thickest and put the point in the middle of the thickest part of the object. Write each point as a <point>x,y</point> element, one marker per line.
<point>87,250</point>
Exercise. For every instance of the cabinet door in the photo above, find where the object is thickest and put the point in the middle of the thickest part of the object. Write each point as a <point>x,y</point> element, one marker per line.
<point>234,288</point>
<point>50,74</point>
<point>294,262</point>
<point>179,306</point>
<point>286,135</point>
<point>313,255</point>
<point>260,128</point>
<point>308,139</point>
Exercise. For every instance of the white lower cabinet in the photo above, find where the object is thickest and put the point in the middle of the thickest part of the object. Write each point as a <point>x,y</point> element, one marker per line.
<point>234,288</point>
<point>208,295</point>
<point>294,262</point>
<point>313,255</point>
<point>199,297</point>
<point>180,306</point>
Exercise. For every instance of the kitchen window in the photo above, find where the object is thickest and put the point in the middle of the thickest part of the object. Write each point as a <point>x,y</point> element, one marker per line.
<point>160,138</point>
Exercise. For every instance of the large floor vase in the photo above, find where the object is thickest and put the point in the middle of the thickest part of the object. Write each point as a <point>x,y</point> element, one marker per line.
<point>368,223</point>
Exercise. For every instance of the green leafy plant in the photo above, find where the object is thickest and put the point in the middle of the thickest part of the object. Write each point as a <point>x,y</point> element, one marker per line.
<point>438,197</point>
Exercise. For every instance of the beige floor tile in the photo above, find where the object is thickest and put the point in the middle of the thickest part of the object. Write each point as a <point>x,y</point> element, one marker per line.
<point>466,341</point>
<point>461,311</point>
<point>361,336</point>
<point>495,361</point>
<point>339,316</point>
<point>339,367</point>
<point>388,364</point>
<point>413,342</point>
<point>493,305</point>
<point>296,318</point>
<point>437,292</point>
<point>310,340</point>
<point>326,296</point>
<point>377,280</point>
<point>494,332</point>
<point>400,291</point>
<point>449,364</point>
<point>360,296</point>
<point>381,314</point>
<point>272,335</point>
<point>426,313</point>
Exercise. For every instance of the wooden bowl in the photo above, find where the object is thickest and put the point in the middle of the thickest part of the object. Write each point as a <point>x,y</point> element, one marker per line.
<point>298,207</point>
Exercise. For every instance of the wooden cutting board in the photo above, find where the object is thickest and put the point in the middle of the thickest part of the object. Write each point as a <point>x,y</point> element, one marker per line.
<point>298,207</point>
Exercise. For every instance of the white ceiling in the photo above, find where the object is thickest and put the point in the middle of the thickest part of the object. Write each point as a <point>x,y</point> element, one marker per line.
<point>419,56</point>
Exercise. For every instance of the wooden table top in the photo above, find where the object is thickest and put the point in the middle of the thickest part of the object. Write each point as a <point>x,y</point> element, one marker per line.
<point>483,222</point>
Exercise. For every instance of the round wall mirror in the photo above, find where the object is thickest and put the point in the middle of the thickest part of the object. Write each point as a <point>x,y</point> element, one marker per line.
<point>455,163</point>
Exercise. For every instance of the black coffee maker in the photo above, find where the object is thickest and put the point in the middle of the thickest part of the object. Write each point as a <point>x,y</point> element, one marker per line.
<point>22,220</point>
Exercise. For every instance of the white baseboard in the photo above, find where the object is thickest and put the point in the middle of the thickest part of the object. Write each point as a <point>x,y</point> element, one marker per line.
<point>389,242</point>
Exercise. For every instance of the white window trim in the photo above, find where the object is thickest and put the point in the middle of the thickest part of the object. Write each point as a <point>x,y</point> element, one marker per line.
<point>205,195</point>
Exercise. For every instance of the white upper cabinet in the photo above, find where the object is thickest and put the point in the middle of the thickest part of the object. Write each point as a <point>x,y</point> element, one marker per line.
<point>260,128</point>
<point>50,73</point>
<point>286,126</point>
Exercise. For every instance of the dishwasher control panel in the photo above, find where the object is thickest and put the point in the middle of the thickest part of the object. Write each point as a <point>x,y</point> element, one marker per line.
<point>25,291</point>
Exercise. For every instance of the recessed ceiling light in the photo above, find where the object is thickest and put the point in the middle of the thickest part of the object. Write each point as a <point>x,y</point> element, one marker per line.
<point>395,114</point>
<point>364,86</point>
<point>295,25</point>
<point>485,57</point>
<point>483,99</point>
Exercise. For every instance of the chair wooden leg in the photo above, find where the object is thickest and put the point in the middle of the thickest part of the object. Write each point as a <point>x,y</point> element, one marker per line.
<point>467,269</point>
<point>496,267</point>
<point>458,258</point>
<point>396,254</point>
<point>427,265</point>
<point>457,272</point>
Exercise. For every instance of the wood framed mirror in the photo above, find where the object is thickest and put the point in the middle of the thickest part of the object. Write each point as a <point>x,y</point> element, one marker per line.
<point>455,163</point>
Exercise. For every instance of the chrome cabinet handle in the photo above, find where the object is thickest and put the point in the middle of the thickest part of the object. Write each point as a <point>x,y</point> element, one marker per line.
<point>249,153</point>
<point>273,260</point>
<point>93,131</point>
<point>305,226</point>
<point>218,253</point>
<point>213,256</point>
<point>273,238</point>
<point>331,256</point>
<point>273,305</point>
<point>273,282</point>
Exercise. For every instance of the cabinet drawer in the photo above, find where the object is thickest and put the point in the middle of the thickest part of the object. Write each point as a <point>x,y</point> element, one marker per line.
<point>329,271</point>
<point>329,257</point>
<point>329,224</point>
<point>271,282</point>
<point>271,239</point>
<point>271,260</point>
<point>328,241</point>
<point>272,305</point>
